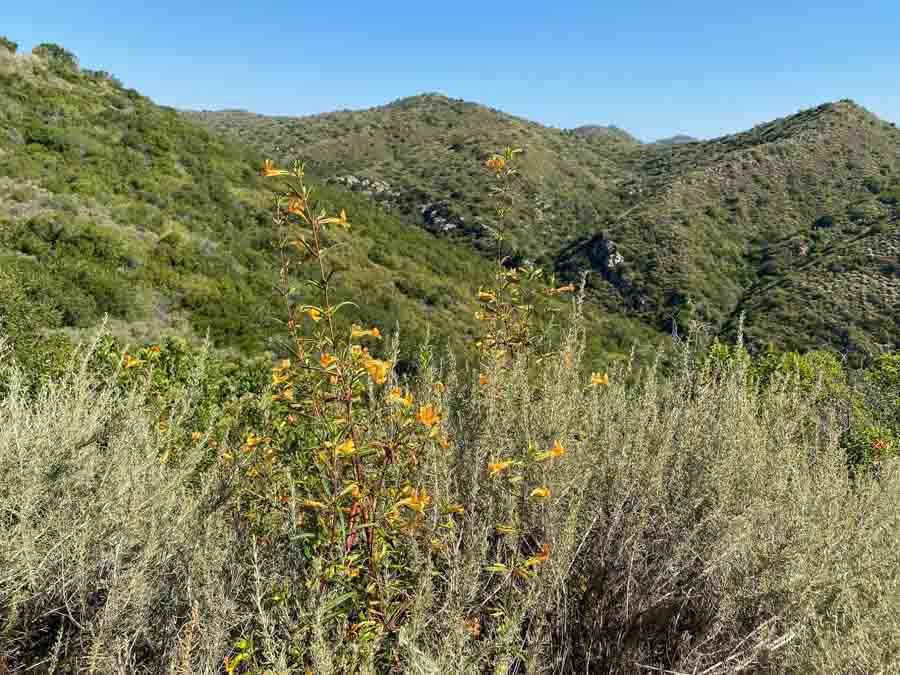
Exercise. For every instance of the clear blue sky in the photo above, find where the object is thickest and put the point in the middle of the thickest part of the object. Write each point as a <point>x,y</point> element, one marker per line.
<point>653,67</point>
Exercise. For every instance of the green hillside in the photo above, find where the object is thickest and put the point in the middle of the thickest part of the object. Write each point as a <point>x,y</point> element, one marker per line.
<point>112,205</point>
<point>703,228</point>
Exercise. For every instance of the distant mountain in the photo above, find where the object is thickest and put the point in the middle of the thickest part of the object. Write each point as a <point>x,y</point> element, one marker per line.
<point>592,130</point>
<point>676,140</point>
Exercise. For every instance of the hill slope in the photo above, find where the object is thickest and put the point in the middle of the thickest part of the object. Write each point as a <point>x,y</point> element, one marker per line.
<point>110,204</point>
<point>666,227</point>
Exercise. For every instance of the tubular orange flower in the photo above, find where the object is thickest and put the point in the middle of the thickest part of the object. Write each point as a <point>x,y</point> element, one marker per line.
<point>487,296</point>
<point>496,163</point>
<point>427,416</point>
<point>557,450</point>
<point>377,370</point>
<point>269,170</point>
<point>483,379</point>
<point>597,379</point>
<point>314,314</point>
<point>539,558</point>
<point>296,206</point>
<point>131,361</point>
<point>327,359</point>
<point>496,468</point>
<point>417,501</point>
<point>358,332</point>
<point>346,448</point>
<point>397,396</point>
<point>540,493</point>
<point>279,379</point>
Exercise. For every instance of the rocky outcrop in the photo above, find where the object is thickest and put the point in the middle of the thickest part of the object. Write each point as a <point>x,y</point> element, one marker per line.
<point>370,187</point>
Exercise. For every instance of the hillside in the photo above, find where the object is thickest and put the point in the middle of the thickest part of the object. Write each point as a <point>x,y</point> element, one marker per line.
<point>422,156</point>
<point>729,225</point>
<point>112,205</point>
<point>703,227</point>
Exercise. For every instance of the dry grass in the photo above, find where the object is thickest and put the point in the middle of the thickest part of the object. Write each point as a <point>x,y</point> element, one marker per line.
<point>697,525</point>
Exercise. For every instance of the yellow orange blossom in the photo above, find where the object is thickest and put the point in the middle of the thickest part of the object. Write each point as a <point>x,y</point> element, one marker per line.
<point>439,387</point>
<point>313,504</point>
<point>348,447</point>
<point>314,314</point>
<point>196,436</point>
<point>269,170</point>
<point>377,370</point>
<point>483,378</point>
<point>327,359</point>
<point>472,626</point>
<point>340,220</point>
<point>154,349</point>
<point>496,468</point>
<point>539,558</point>
<point>488,296</point>
<point>356,351</point>
<point>481,316</point>
<point>279,379</point>
<point>417,501</point>
<point>296,206</point>
<point>557,450</point>
<point>597,379</point>
<point>540,493</point>
<point>444,443</point>
<point>427,416</point>
<point>358,332</point>
<point>288,394</point>
<point>455,508</point>
<point>131,361</point>
<point>396,396</point>
<point>495,163</point>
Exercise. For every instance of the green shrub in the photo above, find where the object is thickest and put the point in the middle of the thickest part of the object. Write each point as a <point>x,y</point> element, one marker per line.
<point>57,55</point>
<point>8,45</point>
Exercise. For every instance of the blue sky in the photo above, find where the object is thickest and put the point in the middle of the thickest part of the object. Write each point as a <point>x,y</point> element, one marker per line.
<point>653,67</point>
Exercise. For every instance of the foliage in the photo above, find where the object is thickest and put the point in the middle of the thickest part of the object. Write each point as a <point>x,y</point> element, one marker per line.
<point>8,44</point>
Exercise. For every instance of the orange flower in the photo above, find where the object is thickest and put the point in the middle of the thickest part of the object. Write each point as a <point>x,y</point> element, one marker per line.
<point>487,296</point>
<point>346,448</point>
<point>483,379</point>
<point>539,558</point>
<point>472,626</point>
<point>557,450</point>
<point>540,493</point>
<point>396,396</point>
<point>597,379</point>
<point>296,205</point>
<point>496,468</point>
<point>339,220</point>
<point>327,359</point>
<point>427,416</point>
<point>496,164</point>
<point>269,170</point>
<point>131,361</point>
<point>279,379</point>
<point>417,501</point>
<point>439,387</point>
<point>314,314</point>
<point>377,369</point>
<point>358,332</point>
